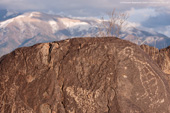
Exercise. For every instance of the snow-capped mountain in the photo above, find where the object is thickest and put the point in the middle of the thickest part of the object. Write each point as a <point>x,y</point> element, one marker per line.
<point>35,27</point>
<point>140,37</point>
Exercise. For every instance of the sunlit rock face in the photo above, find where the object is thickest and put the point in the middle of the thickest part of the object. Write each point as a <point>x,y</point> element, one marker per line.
<point>161,57</point>
<point>82,75</point>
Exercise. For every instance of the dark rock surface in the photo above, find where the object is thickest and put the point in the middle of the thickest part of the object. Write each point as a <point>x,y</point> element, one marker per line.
<point>161,57</point>
<point>83,75</point>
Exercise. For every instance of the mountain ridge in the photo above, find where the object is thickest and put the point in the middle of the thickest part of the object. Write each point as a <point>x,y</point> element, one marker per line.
<point>35,27</point>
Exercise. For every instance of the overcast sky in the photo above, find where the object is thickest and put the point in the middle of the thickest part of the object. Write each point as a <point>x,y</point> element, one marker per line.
<point>151,14</point>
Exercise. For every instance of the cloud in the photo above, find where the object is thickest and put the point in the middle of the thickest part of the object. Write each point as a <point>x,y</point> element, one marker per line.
<point>69,6</point>
<point>139,15</point>
<point>160,20</point>
<point>75,7</point>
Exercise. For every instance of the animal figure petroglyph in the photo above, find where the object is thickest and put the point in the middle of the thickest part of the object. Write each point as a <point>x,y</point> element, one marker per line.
<point>149,79</point>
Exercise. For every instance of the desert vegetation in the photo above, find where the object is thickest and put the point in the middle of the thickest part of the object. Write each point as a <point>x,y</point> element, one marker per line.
<point>112,24</point>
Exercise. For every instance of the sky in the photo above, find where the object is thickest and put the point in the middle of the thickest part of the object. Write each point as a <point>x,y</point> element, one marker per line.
<point>146,14</point>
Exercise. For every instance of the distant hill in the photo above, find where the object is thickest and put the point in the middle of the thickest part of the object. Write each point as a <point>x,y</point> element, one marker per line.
<point>34,27</point>
<point>141,37</point>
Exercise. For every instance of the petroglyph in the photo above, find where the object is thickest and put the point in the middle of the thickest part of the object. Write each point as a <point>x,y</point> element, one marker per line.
<point>151,82</point>
<point>125,53</point>
<point>81,97</point>
<point>90,100</point>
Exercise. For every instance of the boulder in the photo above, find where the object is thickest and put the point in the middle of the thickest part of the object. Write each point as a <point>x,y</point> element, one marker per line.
<point>82,75</point>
